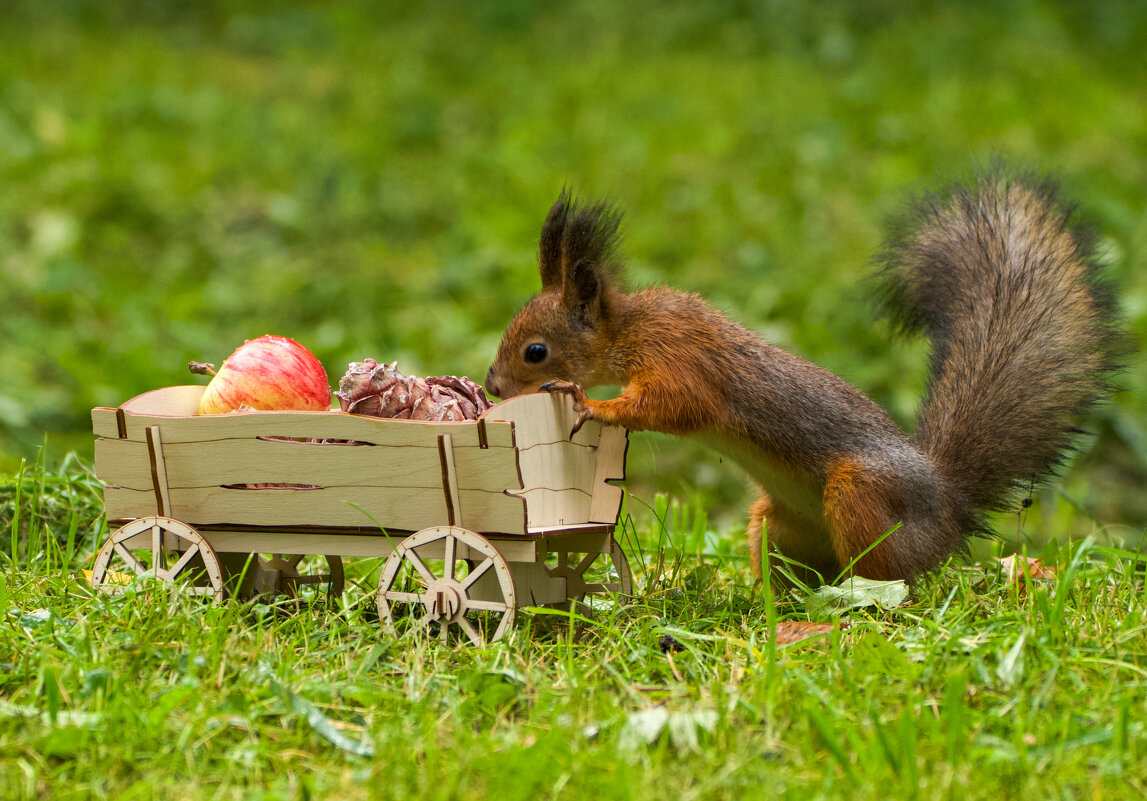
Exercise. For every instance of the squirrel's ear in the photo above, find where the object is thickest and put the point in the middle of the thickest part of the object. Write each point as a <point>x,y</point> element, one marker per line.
<point>550,244</point>
<point>582,292</point>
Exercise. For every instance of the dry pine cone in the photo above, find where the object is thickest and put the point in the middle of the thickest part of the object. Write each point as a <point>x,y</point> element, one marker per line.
<point>380,390</point>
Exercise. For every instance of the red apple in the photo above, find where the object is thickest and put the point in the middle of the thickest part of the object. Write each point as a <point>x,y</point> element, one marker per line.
<point>268,373</point>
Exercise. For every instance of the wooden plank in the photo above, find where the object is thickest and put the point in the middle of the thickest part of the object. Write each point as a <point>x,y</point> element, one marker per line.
<point>449,480</point>
<point>104,422</point>
<point>558,465</point>
<point>349,545</point>
<point>547,508</point>
<point>611,450</point>
<point>123,463</point>
<point>580,541</point>
<point>405,508</point>
<point>543,418</point>
<point>173,408</point>
<point>557,533</point>
<point>158,471</point>
<point>316,425</point>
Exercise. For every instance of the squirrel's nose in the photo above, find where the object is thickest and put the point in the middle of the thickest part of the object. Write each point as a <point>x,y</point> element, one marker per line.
<point>492,383</point>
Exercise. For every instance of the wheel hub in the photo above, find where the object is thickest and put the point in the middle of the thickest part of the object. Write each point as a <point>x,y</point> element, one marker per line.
<point>443,600</point>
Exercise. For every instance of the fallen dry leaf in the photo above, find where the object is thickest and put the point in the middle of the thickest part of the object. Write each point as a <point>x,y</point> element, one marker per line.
<point>1018,568</point>
<point>794,630</point>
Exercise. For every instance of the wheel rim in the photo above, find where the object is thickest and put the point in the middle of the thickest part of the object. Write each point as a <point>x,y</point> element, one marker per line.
<point>175,551</point>
<point>432,591</point>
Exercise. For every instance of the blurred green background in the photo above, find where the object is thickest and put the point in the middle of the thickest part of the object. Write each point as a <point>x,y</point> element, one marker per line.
<point>370,179</point>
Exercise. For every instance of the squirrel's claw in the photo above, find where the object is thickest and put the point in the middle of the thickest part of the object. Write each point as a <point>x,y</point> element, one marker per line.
<point>580,401</point>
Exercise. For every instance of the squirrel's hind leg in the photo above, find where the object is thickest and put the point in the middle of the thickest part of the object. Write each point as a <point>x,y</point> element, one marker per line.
<point>792,536</point>
<point>858,507</point>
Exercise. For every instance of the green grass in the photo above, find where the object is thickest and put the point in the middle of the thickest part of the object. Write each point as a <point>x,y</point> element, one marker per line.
<point>974,689</point>
<point>370,180</point>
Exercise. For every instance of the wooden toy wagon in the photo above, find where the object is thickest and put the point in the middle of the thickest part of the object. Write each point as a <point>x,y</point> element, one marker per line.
<point>475,518</point>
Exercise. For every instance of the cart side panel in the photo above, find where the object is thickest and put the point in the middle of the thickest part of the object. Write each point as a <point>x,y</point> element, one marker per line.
<point>605,505</point>
<point>124,463</point>
<point>399,508</point>
<point>564,479</point>
<point>342,470</point>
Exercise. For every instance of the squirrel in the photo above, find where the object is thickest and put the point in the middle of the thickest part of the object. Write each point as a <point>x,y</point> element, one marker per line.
<point>1024,335</point>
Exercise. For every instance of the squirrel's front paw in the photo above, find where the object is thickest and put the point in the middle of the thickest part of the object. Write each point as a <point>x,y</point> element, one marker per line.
<point>580,401</point>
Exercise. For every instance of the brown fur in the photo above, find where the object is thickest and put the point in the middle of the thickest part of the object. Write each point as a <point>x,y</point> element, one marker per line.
<point>1023,335</point>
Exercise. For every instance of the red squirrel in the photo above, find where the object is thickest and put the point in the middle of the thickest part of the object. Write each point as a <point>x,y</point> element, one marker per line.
<point>1023,335</point>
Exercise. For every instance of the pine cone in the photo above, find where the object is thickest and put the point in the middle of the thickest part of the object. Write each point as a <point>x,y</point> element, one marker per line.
<point>380,390</point>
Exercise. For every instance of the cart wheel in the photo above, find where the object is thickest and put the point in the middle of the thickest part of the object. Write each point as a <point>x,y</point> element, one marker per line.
<point>284,576</point>
<point>175,551</point>
<point>583,575</point>
<point>422,580</point>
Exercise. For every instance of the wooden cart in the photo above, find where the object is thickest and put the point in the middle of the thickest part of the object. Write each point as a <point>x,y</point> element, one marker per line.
<point>475,518</point>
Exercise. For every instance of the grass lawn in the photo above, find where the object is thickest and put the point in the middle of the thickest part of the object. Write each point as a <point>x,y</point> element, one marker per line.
<point>978,686</point>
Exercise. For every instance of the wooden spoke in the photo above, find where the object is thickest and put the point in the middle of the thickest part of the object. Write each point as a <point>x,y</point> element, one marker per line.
<point>450,548</point>
<point>419,565</point>
<point>188,555</point>
<point>449,602</point>
<point>143,548</point>
<point>584,564</point>
<point>471,632</point>
<point>477,573</point>
<point>131,560</point>
<point>157,551</point>
<point>403,597</point>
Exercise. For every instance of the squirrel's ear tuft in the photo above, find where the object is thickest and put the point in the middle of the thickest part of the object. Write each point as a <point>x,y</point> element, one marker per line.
<point>550,244</point>
<point>587,236</point>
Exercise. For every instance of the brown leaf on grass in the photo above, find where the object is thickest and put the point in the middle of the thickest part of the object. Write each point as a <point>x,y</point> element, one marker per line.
<point>795,630</point>
<point>1017,568</point>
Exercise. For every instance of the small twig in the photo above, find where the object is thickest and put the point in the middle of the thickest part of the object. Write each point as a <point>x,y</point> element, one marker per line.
<point>201,368</point>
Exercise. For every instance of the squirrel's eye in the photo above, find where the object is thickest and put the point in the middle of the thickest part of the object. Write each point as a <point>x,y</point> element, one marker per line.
<point>535,352</point>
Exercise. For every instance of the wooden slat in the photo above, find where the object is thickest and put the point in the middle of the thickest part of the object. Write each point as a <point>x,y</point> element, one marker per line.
<point>316,425</point>
<point>158,470</point>
<point>580,541</point>
<point>543,418</point>
<point>403,508</point>
<point>560,533</point>
<point>173,408</point>
<point>449,479</point>
<point>123,463</point>
<point>549,507</point>
<point>104,422</point>
<point>558,465</point>
<point>255,541</point>
<point>607,498</point>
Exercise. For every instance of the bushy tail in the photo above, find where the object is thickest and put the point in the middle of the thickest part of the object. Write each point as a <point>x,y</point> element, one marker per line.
<point>1024,332</point>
